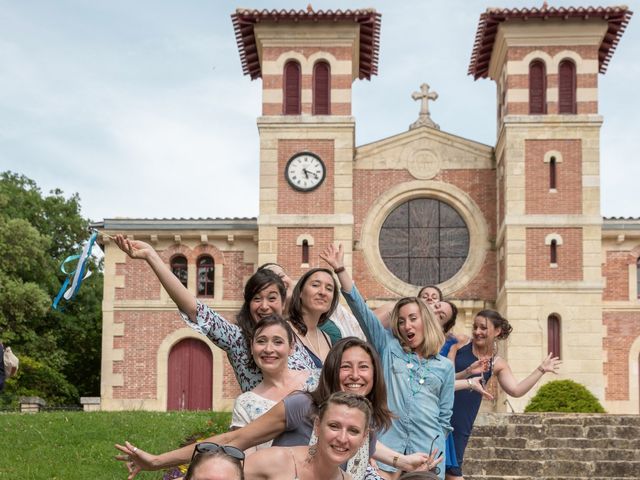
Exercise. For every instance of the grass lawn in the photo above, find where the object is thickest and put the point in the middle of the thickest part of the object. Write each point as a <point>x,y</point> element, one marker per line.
<point>79,445</point>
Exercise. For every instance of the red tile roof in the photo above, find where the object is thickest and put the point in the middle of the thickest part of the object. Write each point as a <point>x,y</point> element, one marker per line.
<point>618,17</point>
<point>369,20</point>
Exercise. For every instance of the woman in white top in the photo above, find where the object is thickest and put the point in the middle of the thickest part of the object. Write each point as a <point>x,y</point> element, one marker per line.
<point>271,345</point>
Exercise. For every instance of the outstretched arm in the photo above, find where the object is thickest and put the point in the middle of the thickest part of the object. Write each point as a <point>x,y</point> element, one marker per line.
<point>517,389</point>
<point>185,301</point>
<point>263,429</point>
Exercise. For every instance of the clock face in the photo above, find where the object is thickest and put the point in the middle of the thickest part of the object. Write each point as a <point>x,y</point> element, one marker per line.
<point>305,171</point>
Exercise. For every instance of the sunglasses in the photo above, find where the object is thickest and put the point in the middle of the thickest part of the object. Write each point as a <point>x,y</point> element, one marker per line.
<point>205,448</point>
<point>435,469</point>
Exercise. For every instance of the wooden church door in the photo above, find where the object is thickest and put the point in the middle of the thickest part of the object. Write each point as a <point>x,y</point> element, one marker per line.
<point>190,376</point>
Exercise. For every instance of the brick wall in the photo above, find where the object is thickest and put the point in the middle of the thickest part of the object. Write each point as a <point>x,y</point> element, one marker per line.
<point>318,201</point>
<point>290,254</point>
<point>616,273</point>
<point>567,199</point>
<point>139,281</point>
<point>569,254</point>
<point>622,330</point>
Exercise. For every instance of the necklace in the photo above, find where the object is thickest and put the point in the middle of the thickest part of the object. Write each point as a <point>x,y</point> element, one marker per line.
<point>316,348</point>
<point>417,373</point>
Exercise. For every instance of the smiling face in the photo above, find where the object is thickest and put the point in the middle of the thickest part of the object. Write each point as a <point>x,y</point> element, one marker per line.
<point>429,295</point>
<point>410,325</point>
<point>317,293</point>
<point>271,348</point>
<point>484,333</point>
<point>356,371</point>
<point>266,302</point>
<point>340,432</point>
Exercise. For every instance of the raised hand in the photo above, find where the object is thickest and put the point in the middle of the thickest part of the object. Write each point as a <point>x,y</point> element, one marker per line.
<point>133,248</point>
<point>479,366</point>
<point>423,462</point>
<point>333,255</point>
<point>475,384</point>
<point>136,460</point>
<point>550,364</point>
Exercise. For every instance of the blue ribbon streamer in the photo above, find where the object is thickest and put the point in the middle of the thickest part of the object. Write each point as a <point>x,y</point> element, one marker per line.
<point>76,276</point>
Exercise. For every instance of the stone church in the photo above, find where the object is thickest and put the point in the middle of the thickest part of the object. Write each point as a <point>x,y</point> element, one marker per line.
<point>515,226</point>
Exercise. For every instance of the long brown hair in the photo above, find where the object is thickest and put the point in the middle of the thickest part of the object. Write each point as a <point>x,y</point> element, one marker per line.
<point>329,381</point>
<point>295,303</point>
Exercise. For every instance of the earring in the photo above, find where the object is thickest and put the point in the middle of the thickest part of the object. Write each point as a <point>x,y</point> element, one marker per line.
<point>313,449</point>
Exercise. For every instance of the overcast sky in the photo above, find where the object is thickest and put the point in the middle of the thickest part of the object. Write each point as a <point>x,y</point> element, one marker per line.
<point>141,106</point>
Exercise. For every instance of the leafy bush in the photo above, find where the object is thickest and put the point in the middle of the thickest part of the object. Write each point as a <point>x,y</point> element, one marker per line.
<point>564,396</point>
<point>36,379</point>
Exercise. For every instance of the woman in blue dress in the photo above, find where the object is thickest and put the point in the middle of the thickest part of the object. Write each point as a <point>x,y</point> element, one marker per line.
<point>488,327</point>
<point>420,381</point>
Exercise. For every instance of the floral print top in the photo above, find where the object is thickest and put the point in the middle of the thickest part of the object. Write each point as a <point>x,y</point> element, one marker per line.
<point>229,337</point>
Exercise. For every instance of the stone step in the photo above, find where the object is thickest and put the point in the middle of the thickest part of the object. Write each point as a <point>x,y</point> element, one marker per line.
<point>555,468</point>
<point>584,419</point>
<point>548,442</point>
<point>541,431</point>
<point>572,454</point>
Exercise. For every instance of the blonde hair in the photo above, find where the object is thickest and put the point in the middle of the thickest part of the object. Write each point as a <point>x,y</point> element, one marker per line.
<point>433,335</point>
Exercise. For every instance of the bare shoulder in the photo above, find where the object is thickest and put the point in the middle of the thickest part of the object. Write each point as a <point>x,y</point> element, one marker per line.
<point>266,462</point>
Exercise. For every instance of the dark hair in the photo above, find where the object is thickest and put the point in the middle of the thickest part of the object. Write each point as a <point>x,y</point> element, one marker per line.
<point>454,314</point>
<point>498,321</point>
<point>329,381</point>
<point>295,304</point>
<point>256,283</point>
<point>271,320</point>
<point>430,286</point>
<point>202,457</point>
<point>351,400</point>
<point>265,266</point>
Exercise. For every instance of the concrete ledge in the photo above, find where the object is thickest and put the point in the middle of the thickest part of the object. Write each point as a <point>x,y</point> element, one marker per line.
<point>31,404</point>
<point>90,404</point>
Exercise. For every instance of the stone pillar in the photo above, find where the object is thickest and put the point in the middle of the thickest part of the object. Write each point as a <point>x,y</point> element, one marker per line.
<point>90,404</point>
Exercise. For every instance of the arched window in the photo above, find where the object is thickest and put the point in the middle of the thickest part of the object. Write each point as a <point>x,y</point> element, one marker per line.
<point>567,87</point>
<point>292,88</point>
<point>553,335</point>
<point>305,251</point>
<point>638,277</point>
<point>321,89</point>
<point>206,271</point>
<point>179,268</point>
<point>553,252</point>
<point>537,88</point>
<point>552,173</point>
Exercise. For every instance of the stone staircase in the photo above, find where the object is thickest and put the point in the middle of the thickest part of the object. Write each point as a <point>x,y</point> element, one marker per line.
<point>553,446</point>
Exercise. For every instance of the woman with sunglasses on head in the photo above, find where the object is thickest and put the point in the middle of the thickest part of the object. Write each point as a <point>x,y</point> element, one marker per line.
<point>211,461</point>
<point>264,294</point>
<point>420,381</point>
<point>351,366</point>
<point>478,360</point>
<point>272,343</point>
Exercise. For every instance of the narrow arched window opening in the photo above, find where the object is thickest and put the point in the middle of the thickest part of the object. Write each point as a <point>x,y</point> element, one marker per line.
<point>321,89</point>
<point>305,251</point>
<point>567,87</point>
<point>553,335</point>
<point>206,270</point>
<point>553,252</point>
<point>180,269</point>
<point>292,88</point>
<point>638,278</point>
<point>537,88</point>
<point>552,173</point>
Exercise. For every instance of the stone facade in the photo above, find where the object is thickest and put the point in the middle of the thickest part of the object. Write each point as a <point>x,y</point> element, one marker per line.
<point>502,193</point>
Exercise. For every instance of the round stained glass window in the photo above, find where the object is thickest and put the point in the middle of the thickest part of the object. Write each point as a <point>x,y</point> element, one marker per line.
<point>424,242</point>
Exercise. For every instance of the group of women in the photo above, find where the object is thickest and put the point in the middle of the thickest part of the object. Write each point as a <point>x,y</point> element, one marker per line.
<point>362,408</point>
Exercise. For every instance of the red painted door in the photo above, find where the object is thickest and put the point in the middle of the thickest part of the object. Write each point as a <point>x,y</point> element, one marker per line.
<point>190,376</point>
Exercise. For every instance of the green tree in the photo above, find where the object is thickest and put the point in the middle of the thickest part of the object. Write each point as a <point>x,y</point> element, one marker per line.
<point>61,349</point>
